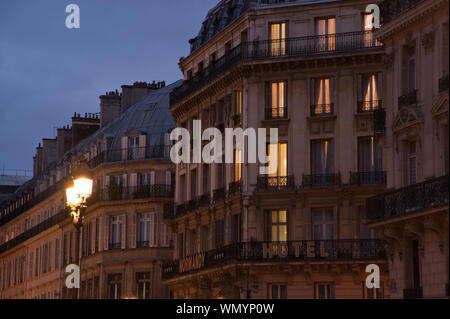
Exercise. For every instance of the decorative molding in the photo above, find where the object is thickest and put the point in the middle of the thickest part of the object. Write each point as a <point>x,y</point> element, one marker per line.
<point>428,40</point>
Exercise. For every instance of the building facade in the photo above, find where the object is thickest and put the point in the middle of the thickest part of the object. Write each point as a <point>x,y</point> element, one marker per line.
<point>412,217</point>
<point>123,241</point>
<point>314,71</point>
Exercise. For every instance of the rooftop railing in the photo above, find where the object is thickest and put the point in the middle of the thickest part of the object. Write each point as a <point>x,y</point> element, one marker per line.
<point>309,251</point>
<point>270,49</point>
<point>427,195</point>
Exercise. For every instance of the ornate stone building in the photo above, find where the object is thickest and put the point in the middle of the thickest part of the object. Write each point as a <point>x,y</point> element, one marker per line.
<point>412,217</point>
<point>314,71</point>
<point>123,241</point>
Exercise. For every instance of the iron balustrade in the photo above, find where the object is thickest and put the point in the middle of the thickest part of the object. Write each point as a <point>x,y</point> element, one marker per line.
<point>322,110</point>
<point>117,193</point>
<point>9,214</point>
<point>413,293</point>
<point>379,121</point>
<point>267,49</point>
<point>30,233</point>
<point>443,84</point>
<point>391,9</point>
<point>374,178</point>
<point>369,106</point>
<point>219,194</point>
<point>321,180</point>
<point>276,183</point>
<point>407,99</point>
<point>427,195</point>
<point>309,251</point>
<point>131,154</point>
<point>276,113</point>
<point>234,188</point>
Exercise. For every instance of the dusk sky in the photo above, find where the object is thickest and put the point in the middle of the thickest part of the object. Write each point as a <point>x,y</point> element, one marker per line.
<point>48,72</point>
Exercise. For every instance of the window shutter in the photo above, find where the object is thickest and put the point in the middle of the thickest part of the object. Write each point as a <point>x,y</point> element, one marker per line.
<point>359,89</point>
<point>313,96</point>
<point>124,148</point>
<point>142,146</point>
<point>332,85</point>
<point>168,178</point>
<point>153,226</point>
<point>152,178</point>
<point>125,181</point>
<point>167,145</point>
<point>286,98</point>
<point>106,232</point>
<point>124,232</point>
<point>133,180</point>
<point>268,95</point>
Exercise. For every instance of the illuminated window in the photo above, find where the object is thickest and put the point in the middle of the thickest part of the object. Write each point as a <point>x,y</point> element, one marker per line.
<point>369,91</point>
<point>369,155</point>
<point>322,157</point>
<point>326,32</point>
<point>276,226</point>
<point>322,96</point>
<point>276,100</point>
<point>282,165</point>
<point>237,165</point>
<point>278,39</point>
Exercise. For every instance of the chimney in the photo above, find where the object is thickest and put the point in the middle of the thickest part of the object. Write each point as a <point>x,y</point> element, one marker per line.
<point>63,141</point>
<point>131,94</point>
<point>37,161</point>
<point>48,152</point>
<point>83,127</point>
<point>110,104</point>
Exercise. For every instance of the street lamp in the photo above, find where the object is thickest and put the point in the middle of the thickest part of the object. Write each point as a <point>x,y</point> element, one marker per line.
<point>77,194</point>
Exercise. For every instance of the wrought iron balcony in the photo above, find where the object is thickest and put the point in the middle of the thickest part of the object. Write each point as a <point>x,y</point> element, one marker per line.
<point>278,183</point>
<point>276,113</point>
<point>118,192</point>
<point>204,200</point>
<point>413,293</point>
<point>390,9</point>
<point>23,205</point>
<point>237,119</point>
<point>219,194</point>
<point>131,154</point>
<point>368,178</point>
<point>268,49</point>
<point>322,110</point>
<point>379,121</point>
<point>443,84</point>
<point>115,246</point>
<point>181,210</point>
<point>369,106</point>
<point>234,188</point>
<point>427,195</point>
<point>308,251</point>
<point>407,99</point>
<point>321,180</point>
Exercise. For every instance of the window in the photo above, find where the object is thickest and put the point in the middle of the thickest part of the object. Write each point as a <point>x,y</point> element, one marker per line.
<point>324,290</point>
<point>322,96</point>
<point>219,235</point>
<point>237,165</point>
<point>365,232</point>
<point>368,25</point>
<point>322,157</point>
<point>412,163</point>
<point>144,230</point>
<point>116,232</point>
<point>147,179</point>
<point>133,148</point>
<point>373,293</point>
<point>276,100</point>
<point>115,286</point>
<point>143,285</point>
<point>277,291</point>
<point>323,224</point>
<point>282,168</point>
<point>326,29</point>
<point>278,39</point>
<point>369,92</point>
<point>409,71</point>
<point>276,226</point>
<point>369,155</point>
<point>235,228</point>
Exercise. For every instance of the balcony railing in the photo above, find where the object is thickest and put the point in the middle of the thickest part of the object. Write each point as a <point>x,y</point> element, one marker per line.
<point>47,224</point>
<point>219,194</point>
<point>411,199</point>
<point>115,246</point>
<point>407,99</point>
<point>443,84</point>
<point>309,251</point>
<point>131,154</point>
<point>143,244</point>
<point>234,188</point>
<point>276,113</point>
<point>369,106</point>
<point>413,293</point>
<point>277,183</point>
<point>368,178</point>
<point>321,180</point>
<point>322,110</point>
<point>7,214</point>
<point>290,47</point>
<point>117,193</point>
<point>391,9</point>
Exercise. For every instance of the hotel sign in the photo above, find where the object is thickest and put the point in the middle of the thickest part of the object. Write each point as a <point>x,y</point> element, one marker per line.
<point>309,249</point>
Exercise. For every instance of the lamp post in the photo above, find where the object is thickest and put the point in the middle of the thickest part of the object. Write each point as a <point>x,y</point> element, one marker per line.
<point>77,193</point>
